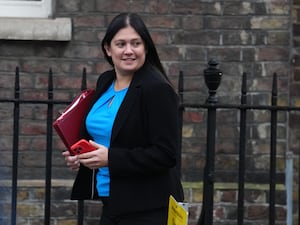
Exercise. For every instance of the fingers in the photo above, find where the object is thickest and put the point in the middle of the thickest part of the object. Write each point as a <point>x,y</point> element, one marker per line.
<point>66,153</point>
<point>95,159</point>
<point>72,161</point>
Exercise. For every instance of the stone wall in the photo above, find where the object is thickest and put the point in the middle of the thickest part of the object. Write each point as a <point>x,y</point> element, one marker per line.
<point>31,198</point>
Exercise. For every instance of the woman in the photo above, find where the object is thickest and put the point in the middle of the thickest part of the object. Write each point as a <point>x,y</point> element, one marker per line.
<point>133,123</point>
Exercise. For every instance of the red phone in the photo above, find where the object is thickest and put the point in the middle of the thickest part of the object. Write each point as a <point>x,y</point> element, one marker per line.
<point>81,146</point>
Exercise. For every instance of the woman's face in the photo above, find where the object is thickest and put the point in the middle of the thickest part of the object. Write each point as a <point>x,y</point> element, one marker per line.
<point>127,51</point>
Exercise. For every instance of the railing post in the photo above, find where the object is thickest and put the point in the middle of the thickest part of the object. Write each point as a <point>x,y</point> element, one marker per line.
<point>242,150</point>
<point>49,149</point>
<point>83,80</point>
<point>15,150</point>
<point>273,153</point>
<point>212,77</point>
<point>80,203</point>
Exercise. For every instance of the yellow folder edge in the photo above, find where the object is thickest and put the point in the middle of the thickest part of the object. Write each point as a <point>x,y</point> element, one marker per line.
<point>177,212</point>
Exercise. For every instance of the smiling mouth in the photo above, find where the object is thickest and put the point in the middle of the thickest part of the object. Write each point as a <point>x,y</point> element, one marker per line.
<point>130,59</point>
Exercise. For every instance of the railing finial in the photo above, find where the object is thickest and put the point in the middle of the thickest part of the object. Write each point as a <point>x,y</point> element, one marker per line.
<point>212,76</point>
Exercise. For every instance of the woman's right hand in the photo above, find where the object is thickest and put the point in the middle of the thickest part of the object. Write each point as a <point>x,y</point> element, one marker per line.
<point>72,161</point>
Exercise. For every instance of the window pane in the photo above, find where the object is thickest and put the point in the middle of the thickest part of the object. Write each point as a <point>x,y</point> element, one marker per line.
<point>26,8</point>
<point>22,0</point>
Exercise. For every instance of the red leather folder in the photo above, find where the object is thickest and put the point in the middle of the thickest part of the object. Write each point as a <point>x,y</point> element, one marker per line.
<point>69,123</point>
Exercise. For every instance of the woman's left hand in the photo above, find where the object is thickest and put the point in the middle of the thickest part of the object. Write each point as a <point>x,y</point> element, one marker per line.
<point>95,159</point>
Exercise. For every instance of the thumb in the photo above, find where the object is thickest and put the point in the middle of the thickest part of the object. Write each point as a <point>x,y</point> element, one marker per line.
<point>95,144</point>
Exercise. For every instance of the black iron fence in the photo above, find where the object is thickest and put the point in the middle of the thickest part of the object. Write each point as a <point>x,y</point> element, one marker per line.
<point>212,80</point>
<point>50,102</point>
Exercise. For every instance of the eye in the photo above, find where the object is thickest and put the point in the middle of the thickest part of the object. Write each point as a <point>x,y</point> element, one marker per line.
<point>136,43</point>
<point>120,44</point>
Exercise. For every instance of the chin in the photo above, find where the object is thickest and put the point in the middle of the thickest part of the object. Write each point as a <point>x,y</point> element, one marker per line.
<point>131,68</point>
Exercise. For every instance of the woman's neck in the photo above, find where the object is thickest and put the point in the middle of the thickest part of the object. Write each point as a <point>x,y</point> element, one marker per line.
<point>122,82</point>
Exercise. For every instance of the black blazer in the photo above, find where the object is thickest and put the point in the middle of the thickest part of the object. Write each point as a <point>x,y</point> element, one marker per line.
<point>143,148</point>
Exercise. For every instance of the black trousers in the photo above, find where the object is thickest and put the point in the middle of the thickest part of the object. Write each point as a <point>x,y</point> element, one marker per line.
<point>150,217</point>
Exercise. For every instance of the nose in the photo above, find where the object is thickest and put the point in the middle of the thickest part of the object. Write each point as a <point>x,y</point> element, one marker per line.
<point>128,49</point>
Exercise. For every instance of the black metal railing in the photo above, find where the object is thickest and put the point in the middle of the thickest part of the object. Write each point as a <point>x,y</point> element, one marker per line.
<point>212,79</point>
<point>50,102</point>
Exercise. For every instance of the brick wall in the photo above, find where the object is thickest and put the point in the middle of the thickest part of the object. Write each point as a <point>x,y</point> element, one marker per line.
<point>249,36</point>
<point>31,195</point>
<point>30,207</point>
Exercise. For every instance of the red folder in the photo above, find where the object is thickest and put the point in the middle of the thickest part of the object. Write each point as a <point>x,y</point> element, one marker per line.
<point>69,123</point>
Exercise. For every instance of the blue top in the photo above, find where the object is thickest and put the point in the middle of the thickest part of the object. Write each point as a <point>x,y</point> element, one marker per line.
<point>99,123</point>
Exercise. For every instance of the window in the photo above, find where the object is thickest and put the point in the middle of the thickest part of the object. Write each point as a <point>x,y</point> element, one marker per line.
<point>26,8</point>
<point>39,24</point>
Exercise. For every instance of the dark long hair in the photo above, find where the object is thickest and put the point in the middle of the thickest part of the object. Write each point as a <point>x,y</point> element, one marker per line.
<point>131,19</point>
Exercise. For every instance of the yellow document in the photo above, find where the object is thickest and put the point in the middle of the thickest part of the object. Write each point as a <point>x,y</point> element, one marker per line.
<point>177,212</point>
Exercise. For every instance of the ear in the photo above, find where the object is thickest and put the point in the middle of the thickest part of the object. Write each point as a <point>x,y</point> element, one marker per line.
<point>107,49</point>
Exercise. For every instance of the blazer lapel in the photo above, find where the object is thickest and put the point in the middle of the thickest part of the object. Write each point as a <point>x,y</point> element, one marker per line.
<point>104,83</point>
<point>124,109</point>
<point>128,102</point>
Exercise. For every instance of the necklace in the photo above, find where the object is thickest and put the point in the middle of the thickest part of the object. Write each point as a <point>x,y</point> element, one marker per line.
<point>111,101</point>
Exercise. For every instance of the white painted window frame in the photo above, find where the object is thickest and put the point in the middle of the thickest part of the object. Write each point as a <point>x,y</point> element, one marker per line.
<point>26,8</point>
<point>32,20</point>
